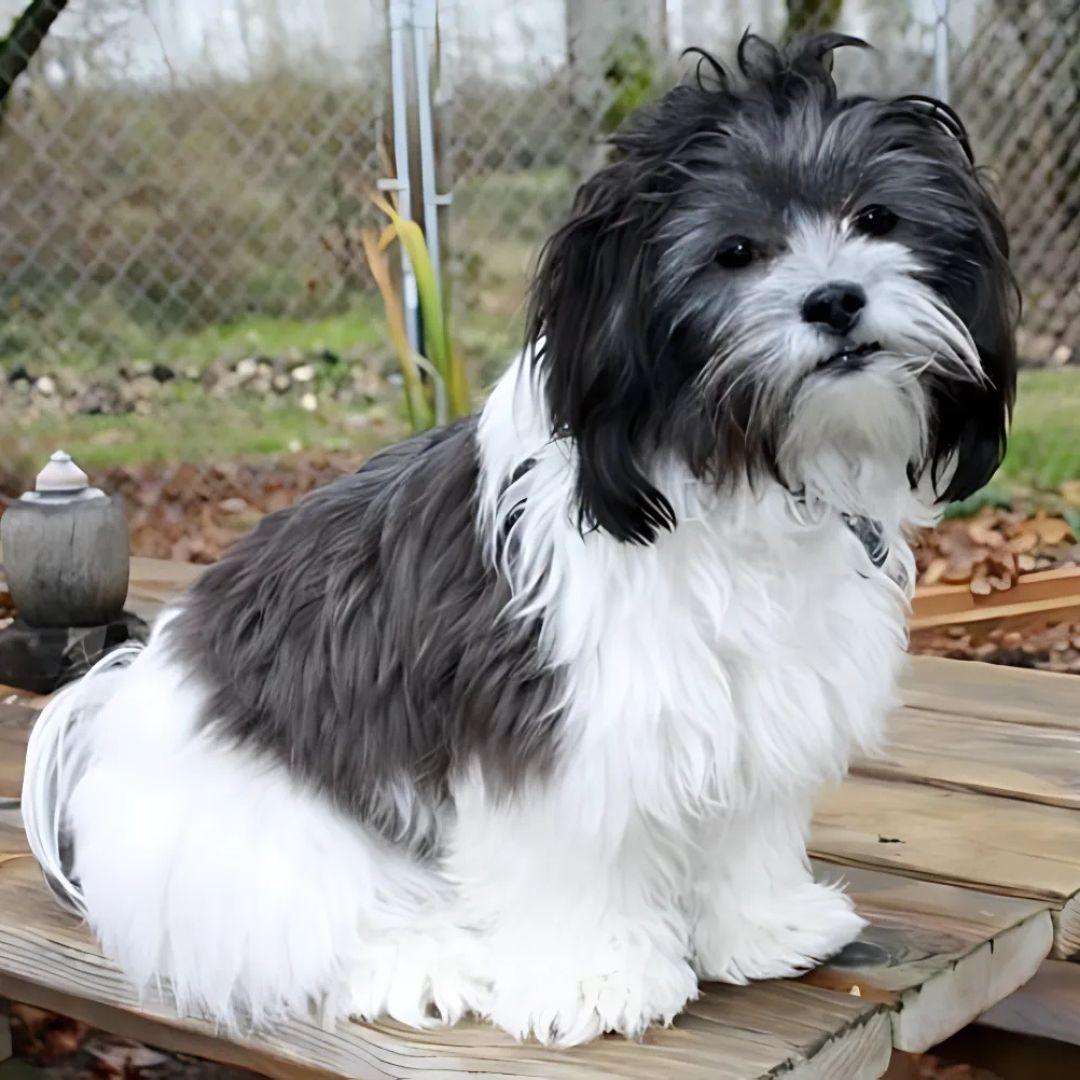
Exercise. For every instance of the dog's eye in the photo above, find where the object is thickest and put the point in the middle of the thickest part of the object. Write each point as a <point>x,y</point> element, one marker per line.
<point>876,220</point>
<point>735,252</point>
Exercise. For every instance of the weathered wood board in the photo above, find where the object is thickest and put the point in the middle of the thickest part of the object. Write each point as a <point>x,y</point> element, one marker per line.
<point>933,958</point>
<point>1044,594</point>
<point>999,845</point>
<point>938,954</point>
<point>992,692</point>
<point>995,757</point>
<point>16,720</point>
<point>155,582</point>
<point>731,1033</point>
<point>1048,1005</point>
<point>959,845</point>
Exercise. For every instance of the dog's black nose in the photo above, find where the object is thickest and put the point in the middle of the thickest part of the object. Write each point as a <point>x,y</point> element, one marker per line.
<point>836,305</point>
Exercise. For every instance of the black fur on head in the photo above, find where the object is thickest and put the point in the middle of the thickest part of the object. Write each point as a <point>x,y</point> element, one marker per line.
<point>652,350</point>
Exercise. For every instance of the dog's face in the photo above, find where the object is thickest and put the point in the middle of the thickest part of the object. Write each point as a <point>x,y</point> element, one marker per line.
<point>775,280</point>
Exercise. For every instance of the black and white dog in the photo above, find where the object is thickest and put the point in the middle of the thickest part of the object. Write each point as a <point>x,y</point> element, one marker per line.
<point>526,718</point>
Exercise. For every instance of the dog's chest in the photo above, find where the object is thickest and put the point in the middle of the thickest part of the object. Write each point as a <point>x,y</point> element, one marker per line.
<point>728,663</point>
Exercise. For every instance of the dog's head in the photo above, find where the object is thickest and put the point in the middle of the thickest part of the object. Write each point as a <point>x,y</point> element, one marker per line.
<point>773,280</point>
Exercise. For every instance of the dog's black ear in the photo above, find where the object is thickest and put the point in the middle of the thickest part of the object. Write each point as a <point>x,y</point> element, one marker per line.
<point>589,332</point>
<point>971,424</point>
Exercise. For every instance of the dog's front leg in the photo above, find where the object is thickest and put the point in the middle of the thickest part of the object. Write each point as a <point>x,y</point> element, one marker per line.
<point>756,911</point>
<point>582,933</point>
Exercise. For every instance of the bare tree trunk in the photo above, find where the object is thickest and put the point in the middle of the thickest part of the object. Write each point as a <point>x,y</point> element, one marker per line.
<point>24,40</point>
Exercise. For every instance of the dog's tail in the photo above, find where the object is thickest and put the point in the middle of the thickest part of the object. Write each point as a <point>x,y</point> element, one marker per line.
<point>55,758</point>
<point>207,871</point>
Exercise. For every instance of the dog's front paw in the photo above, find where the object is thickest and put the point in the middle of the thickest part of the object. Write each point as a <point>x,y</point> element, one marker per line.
<point>783,935</point>
<point>568,1004</point>
<point>420,981</point>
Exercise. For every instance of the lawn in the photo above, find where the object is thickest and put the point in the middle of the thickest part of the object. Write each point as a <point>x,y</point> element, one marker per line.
<point>187,423</point>
<point>1044,447</point>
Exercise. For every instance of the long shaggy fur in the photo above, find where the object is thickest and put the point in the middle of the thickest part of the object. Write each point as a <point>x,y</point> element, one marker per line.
<point>527,717</point>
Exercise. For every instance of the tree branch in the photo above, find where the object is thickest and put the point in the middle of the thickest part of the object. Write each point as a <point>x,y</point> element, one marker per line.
<point>24,40</point>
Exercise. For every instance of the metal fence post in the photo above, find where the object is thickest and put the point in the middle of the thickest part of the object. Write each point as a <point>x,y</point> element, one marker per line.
<point>424,17</point>
<point>400,18</point>
<point>941,50</point>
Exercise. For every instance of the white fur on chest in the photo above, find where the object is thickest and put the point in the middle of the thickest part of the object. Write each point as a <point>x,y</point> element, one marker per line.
<point>743,654</point>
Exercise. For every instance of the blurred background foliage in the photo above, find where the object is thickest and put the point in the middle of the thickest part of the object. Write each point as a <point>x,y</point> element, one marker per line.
<point>185,192</point>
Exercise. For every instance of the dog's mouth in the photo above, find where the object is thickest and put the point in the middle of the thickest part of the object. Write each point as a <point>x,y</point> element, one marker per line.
<point>850,359</point>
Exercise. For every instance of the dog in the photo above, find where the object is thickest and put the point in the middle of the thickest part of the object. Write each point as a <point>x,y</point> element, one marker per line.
<point>525,719</point>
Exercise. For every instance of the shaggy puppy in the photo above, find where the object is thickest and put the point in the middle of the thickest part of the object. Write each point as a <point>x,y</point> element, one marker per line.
<point>526,718</point>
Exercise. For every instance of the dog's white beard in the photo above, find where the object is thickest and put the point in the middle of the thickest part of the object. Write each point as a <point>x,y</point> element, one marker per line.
<point>851,438</point>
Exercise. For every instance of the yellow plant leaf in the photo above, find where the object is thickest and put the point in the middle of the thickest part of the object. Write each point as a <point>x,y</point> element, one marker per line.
<point>419,412</point>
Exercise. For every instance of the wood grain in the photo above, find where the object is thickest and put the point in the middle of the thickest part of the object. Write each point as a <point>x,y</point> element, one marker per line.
<point>154,583</point>
<point>1047,1006</point>
<point>996,757</point>
<point>939,954</point>
<point>1051,593</point>
<point>731,1033</point>
<point>1000,845</point>
<point>971,688</point>
<point>16,720</point>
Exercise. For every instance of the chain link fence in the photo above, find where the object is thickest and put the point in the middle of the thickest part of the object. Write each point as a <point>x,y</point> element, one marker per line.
<point>170,166</point>
<point>173,165</point>
<point>527,122</point>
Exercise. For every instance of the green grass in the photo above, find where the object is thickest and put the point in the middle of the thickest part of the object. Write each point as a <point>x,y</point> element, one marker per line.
<point>349,335</point>
<point>189,425</point>
<point>1044,447</point>
<point>201,429</point>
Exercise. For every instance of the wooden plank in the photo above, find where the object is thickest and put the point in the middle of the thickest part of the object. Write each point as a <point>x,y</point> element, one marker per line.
<point>971,688</point>
<point>1048,1006</point>
<point>958,837</point>
<point>997,757</point>
<point>154,583</point>
<point>938,954</point>
<point>1055,593</point>
<point>15,722</point>
<point>731,1033</point>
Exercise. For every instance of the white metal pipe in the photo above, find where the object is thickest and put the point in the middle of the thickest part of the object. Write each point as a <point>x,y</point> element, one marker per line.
<point>400,17</point>
<point>423,13</point>
<point>941,50</point>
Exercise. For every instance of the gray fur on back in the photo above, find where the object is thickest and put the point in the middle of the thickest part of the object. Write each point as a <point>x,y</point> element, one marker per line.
<point>358,638</point>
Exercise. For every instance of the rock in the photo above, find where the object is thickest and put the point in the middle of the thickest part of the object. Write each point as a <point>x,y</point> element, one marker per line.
<point>45,386</point>
<point>1062,355</point>
<point>309,402</point>
<point>233,505</point>
<point>247,367</point>
<point>281,382</point>
<point>304,374</point>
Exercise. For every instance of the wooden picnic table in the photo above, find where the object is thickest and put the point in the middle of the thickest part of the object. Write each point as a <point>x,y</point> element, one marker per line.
<point>961,846</point>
